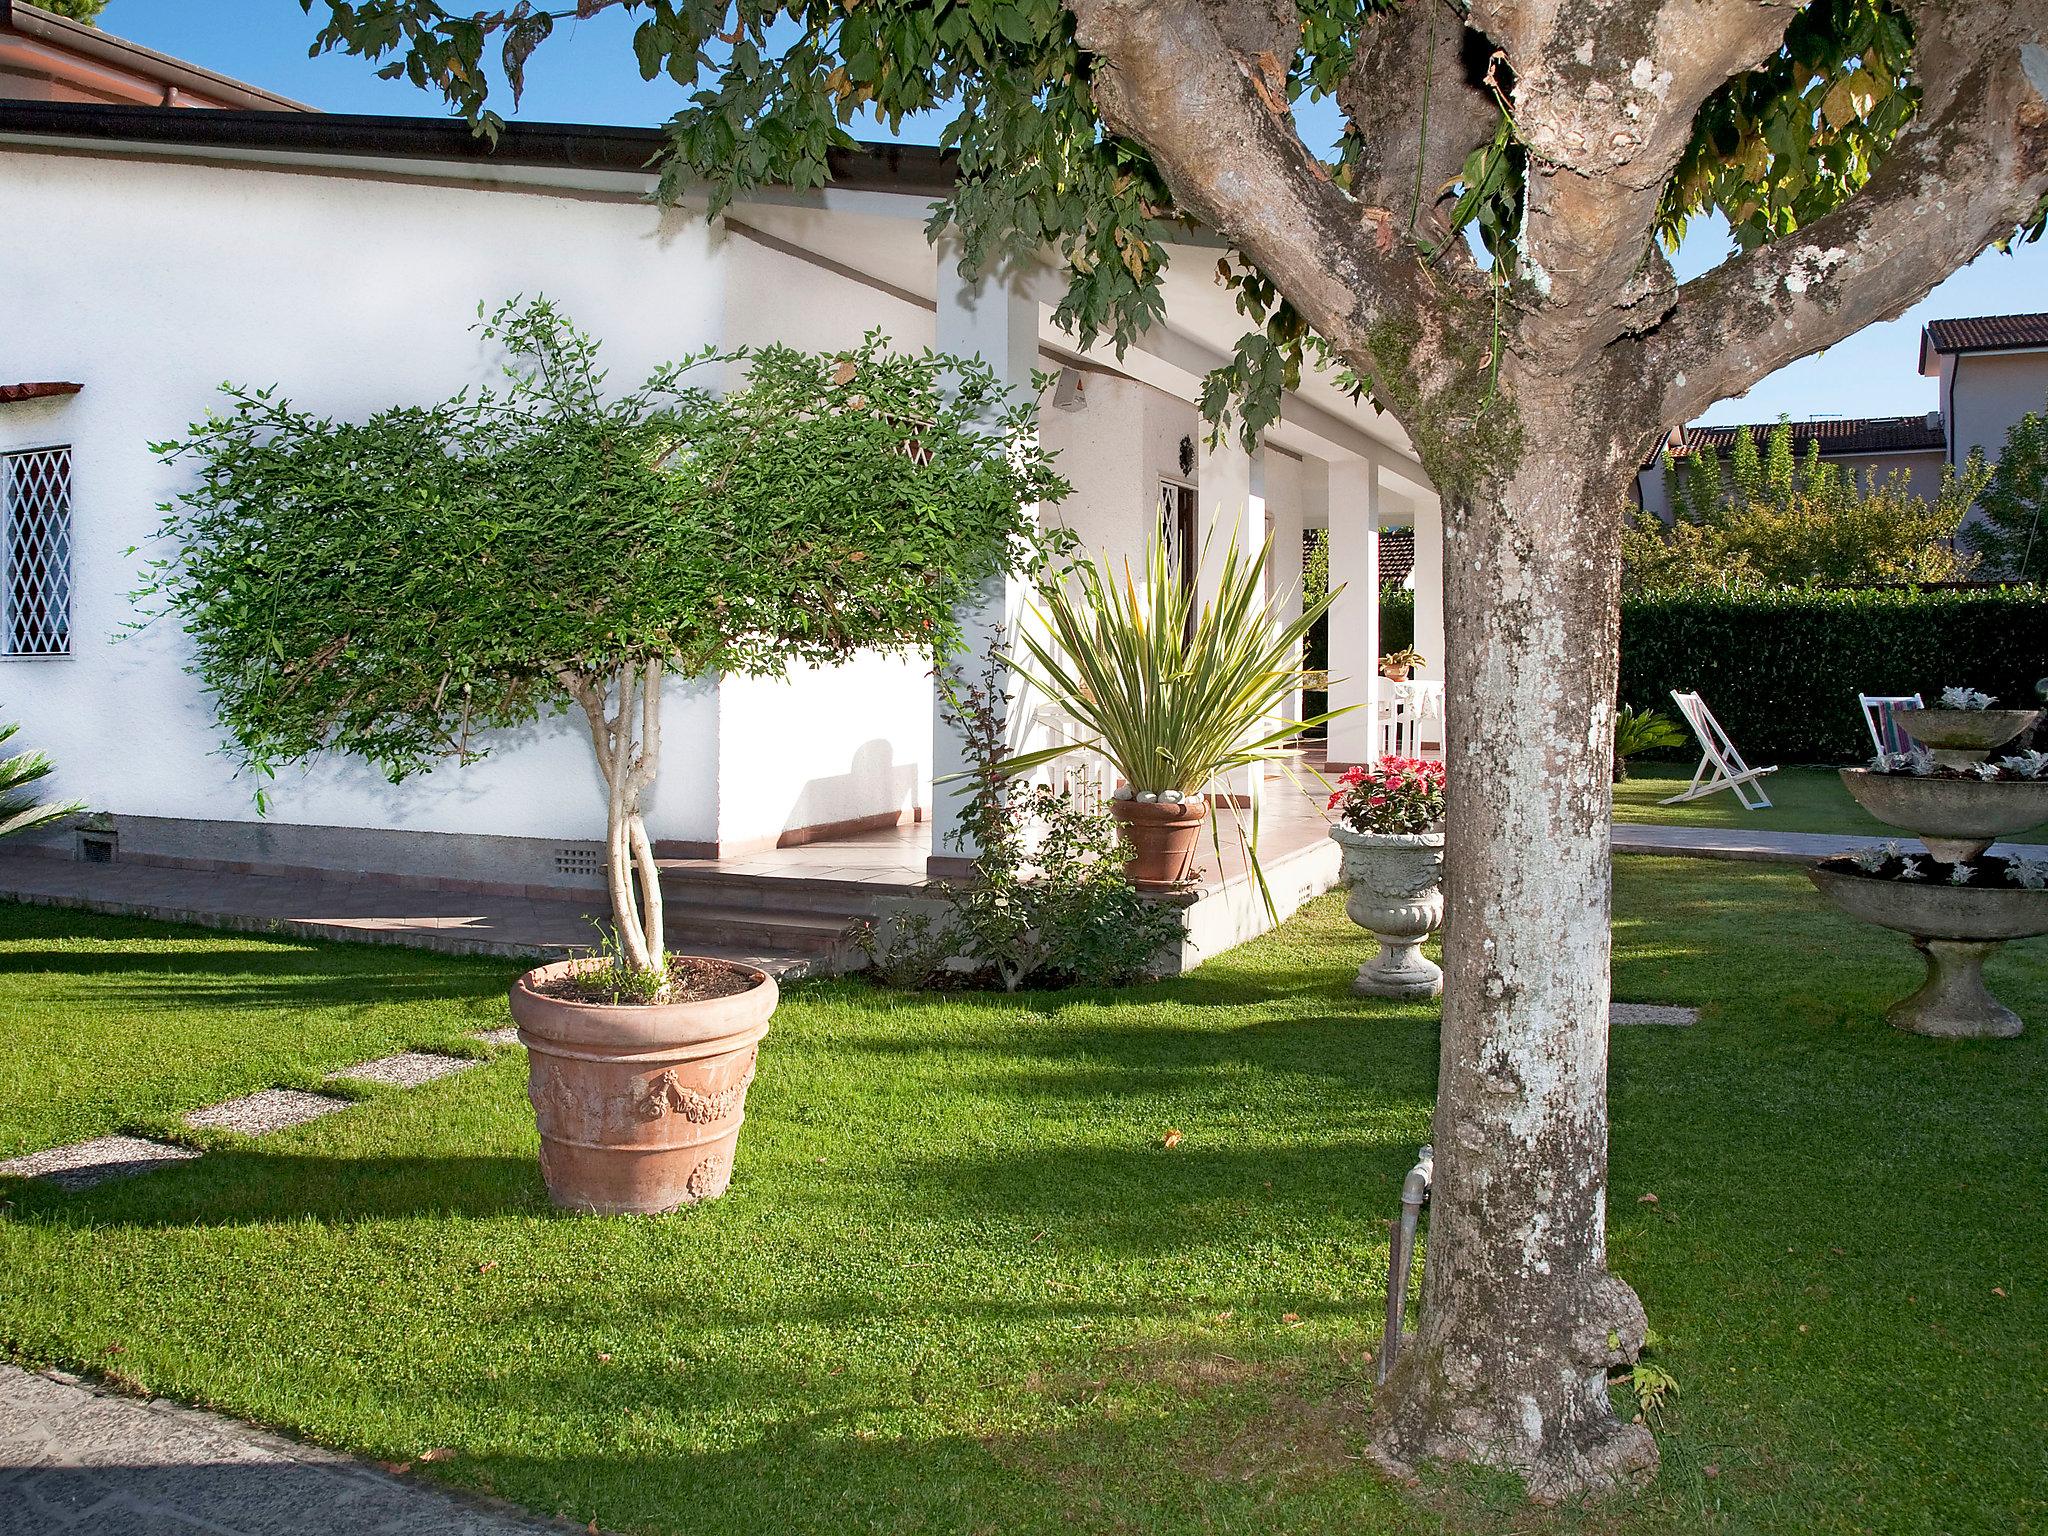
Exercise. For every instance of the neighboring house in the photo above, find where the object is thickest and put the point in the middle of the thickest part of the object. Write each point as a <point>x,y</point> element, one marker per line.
<point>1993,369</point>
<point>155,252</point>
<point>46,57</point>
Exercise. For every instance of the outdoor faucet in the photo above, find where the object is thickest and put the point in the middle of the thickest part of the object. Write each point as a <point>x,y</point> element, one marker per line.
<point>1401,1254</point>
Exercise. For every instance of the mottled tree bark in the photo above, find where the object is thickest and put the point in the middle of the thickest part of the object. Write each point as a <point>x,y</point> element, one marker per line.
<point>1520,1319</point>
<point>1599,350</point>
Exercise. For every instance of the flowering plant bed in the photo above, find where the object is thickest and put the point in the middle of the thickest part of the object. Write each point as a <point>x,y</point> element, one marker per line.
<point>1893,861</point>
<point>1394,795</point>
<point>1919,763</point>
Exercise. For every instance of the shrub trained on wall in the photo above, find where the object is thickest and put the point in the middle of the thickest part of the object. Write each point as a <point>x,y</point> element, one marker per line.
<point>1781,669</point>
<point>401,589</point>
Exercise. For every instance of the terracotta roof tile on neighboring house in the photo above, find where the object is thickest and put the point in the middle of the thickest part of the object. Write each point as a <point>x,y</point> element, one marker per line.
<point>1397,556</point>
<point>1985,333</point>
<point>1848,434</point>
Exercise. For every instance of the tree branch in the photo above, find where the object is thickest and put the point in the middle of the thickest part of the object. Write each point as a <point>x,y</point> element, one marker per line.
<point>1605,99</point>
<point>1416,96</point>
<point>1201,84</point>
<point>1972,164</point>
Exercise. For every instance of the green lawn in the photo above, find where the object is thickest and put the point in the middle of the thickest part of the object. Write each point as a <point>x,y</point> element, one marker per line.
<point>1802,800</point>
<point>961,1285</point>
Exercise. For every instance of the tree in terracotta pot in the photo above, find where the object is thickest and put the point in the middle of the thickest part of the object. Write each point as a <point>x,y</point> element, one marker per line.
<point>1390,826</point>
<point>405,589</point>
<point>1173,695</point>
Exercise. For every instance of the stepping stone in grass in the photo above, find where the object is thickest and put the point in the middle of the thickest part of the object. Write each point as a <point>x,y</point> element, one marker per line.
<point>408,1069</point>
<point>509,1035</point>
<point>270,1109</point>
<point>1671,1015</point>
<point>86,1163</point>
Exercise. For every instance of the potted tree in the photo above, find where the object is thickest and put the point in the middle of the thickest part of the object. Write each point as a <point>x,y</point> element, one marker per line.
<point>1172,696</point>
<point>403,588</point>
<point>1390,826</point>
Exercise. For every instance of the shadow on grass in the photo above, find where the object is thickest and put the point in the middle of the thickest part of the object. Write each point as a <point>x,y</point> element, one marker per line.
<point>237,1187</point>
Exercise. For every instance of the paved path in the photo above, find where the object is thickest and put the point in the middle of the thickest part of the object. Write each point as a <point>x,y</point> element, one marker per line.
<point>76,1461</point>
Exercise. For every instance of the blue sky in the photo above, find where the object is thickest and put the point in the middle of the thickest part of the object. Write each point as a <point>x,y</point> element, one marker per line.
<point>586,74</point>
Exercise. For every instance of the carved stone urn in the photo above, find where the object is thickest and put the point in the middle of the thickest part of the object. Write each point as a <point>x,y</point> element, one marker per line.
<point>1394,891</point>
<point>639,1105</point>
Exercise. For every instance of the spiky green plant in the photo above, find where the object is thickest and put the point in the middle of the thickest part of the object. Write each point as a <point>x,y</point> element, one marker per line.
<point>1641,730</point>
<point>1175,696</point>
<point>20,811</point>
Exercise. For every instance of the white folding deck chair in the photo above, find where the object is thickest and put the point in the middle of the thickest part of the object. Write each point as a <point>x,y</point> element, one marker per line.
<point>1878,709</point>
<point>1717,753</point>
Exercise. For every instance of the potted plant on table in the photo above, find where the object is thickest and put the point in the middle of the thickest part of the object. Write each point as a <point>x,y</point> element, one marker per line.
<point>1390,826</point>
<point>401,589</point>
<point>1174,697</point>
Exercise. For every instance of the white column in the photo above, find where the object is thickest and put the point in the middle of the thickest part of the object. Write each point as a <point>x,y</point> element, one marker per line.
<point>1283,489</point>
<point>998,321</point>
<point>1223,509</point>
<point>1355,615</point>
<point>1228,506</point>
<point>1429,597</point>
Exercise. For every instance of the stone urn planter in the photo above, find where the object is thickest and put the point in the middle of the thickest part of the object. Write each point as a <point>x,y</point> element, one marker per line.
<point>640,1105</point>
<point>1163,836</point>
<point>1960,737</point>
<point>1954,927</point>
<point>1394,891</point>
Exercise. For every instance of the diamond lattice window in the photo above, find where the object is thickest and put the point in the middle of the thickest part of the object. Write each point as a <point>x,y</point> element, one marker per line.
<point>35,553</point>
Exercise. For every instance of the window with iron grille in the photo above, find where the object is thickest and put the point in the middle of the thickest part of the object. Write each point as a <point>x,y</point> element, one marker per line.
<point>35,553</point>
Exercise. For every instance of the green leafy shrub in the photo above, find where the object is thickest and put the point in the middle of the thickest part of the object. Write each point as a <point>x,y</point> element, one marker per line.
<point>1781,668</point>
<point>1768,519</point>
<point>402,588</point>
<point>1049,904</point>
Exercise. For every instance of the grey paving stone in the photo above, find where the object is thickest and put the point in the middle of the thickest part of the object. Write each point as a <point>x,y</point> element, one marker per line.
<point>268,1109</point>
<point>408,1069</point>
<point>509,1035</point>
<point>113,1466</point>
<point>1670,1015</point>
<point>85,1163</point>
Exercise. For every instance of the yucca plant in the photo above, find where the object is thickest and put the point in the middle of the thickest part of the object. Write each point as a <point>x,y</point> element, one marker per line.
<point>20,810</point>
<point>1174,696</point>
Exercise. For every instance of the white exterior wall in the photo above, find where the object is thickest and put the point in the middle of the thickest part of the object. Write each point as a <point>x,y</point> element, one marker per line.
<point>1116,453</point>
<point>825,745</point>
<point>1986,393</point>
<point>353,294</point>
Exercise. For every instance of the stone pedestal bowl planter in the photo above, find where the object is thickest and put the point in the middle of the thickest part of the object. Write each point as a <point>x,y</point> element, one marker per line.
<point>1394,891</point>
<point>1163,836</point>
<point>1956,818</point>
<point>1954,927</point>
<point>1960,737</point>
<point>639,1106</point>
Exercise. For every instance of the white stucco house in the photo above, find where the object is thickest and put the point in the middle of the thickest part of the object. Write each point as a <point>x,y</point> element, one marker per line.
<point>150,252</point>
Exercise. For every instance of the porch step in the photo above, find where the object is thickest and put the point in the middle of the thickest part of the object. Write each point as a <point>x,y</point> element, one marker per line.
<point>684,883</point>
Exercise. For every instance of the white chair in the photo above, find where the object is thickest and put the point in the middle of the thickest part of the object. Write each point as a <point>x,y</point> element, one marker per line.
<point>1717,753</point>
<point>1402,709</point>
<point>1878,709</point>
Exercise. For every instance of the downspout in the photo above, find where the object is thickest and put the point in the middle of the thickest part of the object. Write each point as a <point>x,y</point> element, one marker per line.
<point>1401,1254</point>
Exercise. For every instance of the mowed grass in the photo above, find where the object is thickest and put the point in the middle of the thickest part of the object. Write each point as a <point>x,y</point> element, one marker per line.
<point>961,1284</point>
<point>1803,799</point>
<point>111,1023</point>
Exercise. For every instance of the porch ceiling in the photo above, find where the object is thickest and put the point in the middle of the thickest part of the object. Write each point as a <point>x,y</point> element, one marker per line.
<point>881,237</point>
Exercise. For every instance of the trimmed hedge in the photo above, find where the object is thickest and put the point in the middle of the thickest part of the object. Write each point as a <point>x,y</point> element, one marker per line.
<point>1781,669</point>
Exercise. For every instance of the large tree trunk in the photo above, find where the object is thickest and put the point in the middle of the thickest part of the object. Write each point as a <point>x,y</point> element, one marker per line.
<point>1520,1318</point>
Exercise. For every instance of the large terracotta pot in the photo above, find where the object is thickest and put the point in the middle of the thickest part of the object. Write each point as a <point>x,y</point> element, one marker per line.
<point>1163,835</point>
<point>639,1107</point>
<point>1394,891</point>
